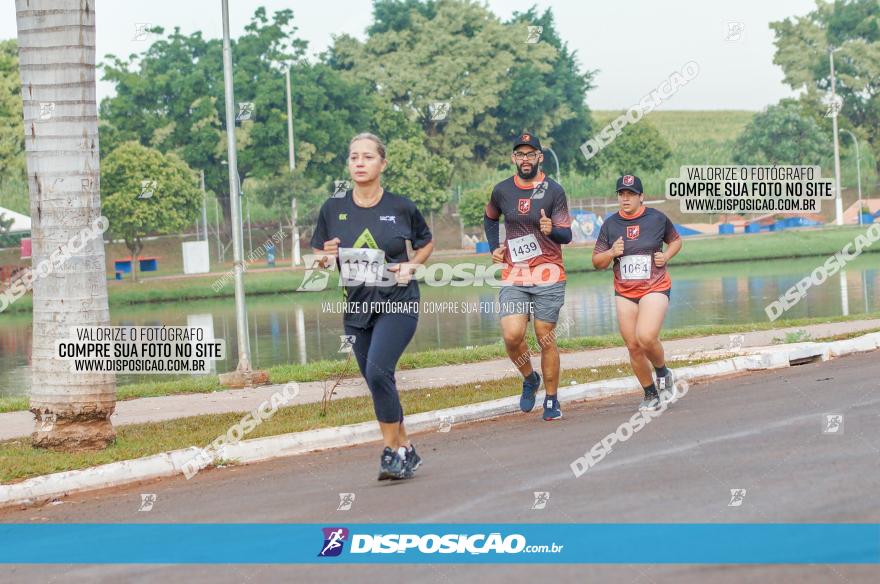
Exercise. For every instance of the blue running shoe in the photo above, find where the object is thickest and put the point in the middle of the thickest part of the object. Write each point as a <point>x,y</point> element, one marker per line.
<point>412,461</point>
<point>551,409</point>
<point>530,388</point>
<point>392,466</point>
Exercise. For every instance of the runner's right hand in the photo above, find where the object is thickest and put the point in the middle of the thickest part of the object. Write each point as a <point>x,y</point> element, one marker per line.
<point>498,254</point>
<point>617,248</point>
<point>332,246</point>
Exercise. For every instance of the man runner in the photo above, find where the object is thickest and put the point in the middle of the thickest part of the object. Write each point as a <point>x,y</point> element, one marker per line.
<point>536,224</point>
<point>632,239</point>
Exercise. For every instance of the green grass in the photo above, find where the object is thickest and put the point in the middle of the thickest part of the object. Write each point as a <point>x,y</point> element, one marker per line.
<point>331,369</point>
<point>845,336</point>
<point>19,460</point>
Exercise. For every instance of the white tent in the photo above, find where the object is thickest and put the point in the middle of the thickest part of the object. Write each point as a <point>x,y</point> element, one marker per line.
<point>20,222</point>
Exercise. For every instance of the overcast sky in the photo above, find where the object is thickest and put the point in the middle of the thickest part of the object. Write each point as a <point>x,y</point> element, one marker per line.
<point>634,44</point>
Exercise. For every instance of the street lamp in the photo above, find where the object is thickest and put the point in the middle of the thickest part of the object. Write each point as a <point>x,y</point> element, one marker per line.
<point>858,172</point>
<point>297,260</point>
<point>550,150</point>
<point>244,352</point>
<point>838,202</point>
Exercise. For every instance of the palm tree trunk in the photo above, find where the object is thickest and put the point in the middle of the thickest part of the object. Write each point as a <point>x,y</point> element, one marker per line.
<point>56,40</point>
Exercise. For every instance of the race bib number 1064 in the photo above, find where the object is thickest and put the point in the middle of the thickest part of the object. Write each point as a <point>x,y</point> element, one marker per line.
<point>635,267</point>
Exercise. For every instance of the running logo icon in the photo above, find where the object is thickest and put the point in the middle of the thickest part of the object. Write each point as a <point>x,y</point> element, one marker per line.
<point>832,424</point>
<point>317,275</point>
<point>339,189</point>
<point>541,499</point>
<point>346,500</point>
<point>632,231</point>
<point>538,192</point>
<point>524,206</point>
<point>334,541</point>
<point>737,496</point>
<point>346,342</point>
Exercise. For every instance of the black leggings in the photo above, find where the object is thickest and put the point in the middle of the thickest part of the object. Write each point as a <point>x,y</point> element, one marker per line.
<point>377,350</point>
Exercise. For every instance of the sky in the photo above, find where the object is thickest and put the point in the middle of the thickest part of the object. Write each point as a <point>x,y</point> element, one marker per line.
<point>634,44</point>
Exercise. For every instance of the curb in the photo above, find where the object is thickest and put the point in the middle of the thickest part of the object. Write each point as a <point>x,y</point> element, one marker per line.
<point>48,487</point>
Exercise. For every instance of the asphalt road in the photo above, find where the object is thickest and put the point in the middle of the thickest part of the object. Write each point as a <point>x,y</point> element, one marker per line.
<point>761,432</point>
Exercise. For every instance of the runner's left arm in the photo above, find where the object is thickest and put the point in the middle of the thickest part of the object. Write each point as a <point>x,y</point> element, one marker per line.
<point>561,230</point>
<point>491,224</point>
<point>422,242</point>
<point>320,238</point>
<point>672,240</point>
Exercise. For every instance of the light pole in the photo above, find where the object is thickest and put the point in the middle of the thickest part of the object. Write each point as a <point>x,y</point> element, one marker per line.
<point>858,171</point>
<point>550,150</point>
<point>204,203</point>
<point>297,260</point>
<point>838,202</point>
<point>244,351</point>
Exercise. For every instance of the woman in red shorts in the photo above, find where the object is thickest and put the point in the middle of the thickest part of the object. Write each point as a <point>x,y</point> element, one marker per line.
<point>632,239</point>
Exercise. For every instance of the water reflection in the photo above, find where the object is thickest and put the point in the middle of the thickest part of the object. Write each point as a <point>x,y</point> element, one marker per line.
<point>293,329</point>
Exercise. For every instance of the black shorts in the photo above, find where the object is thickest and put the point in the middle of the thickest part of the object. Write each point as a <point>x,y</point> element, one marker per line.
<point>668,291</point>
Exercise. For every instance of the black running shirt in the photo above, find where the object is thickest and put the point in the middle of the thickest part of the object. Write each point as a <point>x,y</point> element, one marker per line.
<point>386,226</point>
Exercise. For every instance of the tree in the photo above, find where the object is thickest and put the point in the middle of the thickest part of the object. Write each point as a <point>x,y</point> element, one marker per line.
<point>472,204</point>
<point>130,172</point>
<point>561,90</point>
<point>57,66</point>
<point>638,148</point>
<point>454,52</point>
<point>171,98</point>
<point>11,128</point>
<point>782,134</point>
<point>276,192</point>
<point>853,29</point>
<point>415,172</point>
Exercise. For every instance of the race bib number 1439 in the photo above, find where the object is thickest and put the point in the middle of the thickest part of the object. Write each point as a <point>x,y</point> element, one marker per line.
<point>523,248</point>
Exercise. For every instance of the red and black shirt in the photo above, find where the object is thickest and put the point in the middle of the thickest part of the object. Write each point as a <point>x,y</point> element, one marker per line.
<point>521,205</point>
<point>643,233</point>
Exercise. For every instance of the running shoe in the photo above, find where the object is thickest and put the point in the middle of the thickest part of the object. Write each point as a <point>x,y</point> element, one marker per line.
<point>530,388</point>
<point>413,461</point>
<point>650,403</point>
<point>391,466</point>
<point>666,384</point>
<point>551,409</point>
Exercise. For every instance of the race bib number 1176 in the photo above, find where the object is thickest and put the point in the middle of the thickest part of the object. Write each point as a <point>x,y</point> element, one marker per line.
<point>361,265</point>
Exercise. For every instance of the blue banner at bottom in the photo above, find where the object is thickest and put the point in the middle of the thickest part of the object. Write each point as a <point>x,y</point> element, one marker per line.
<point>475,543</point>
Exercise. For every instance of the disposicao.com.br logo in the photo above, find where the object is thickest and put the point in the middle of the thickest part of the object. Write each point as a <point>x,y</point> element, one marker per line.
<point>430,543</point>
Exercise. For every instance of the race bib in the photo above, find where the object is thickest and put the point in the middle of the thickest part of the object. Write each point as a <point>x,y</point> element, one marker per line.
<point>523,248</point>
<point>361,265</point>
<point>635,267</point>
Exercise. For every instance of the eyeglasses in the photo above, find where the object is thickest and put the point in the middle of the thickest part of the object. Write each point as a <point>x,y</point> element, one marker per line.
<point>531,156</point>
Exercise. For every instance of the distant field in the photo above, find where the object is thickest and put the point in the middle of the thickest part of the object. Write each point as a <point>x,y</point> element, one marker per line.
<point>695,137</point>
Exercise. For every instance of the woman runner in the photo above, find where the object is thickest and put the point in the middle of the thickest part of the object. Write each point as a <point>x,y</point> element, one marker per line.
<point>632,239</point>
<point>365,231</point>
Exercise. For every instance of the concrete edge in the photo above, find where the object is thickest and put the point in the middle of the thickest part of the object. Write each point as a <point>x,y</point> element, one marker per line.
<point>48,487</point>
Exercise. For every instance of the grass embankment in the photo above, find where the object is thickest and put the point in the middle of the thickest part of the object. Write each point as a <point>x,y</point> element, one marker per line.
<point>332,369</point>
<point>753,247</point>
<point>19,460</point>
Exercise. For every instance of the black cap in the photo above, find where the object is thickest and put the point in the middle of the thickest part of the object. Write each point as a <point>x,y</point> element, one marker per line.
<point>527,139</point>
<point>629,182</point>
